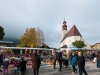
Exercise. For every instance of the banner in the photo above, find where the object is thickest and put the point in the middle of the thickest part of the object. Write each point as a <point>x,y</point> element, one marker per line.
<point>21,51</point>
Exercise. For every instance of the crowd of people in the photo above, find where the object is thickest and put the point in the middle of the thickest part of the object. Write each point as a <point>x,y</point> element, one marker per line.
<point>4,63</point>
<point>75,59</point>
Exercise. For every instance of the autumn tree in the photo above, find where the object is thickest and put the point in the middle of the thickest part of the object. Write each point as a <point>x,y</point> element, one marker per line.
<point>28,38</point>
<point>45,46</point>
<point>79,44</point>
<point>1,32</point>
<point>31,38</point>
<point>40,36</point>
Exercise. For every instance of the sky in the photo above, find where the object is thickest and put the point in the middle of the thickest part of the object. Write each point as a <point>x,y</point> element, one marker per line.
<point>48,15</point>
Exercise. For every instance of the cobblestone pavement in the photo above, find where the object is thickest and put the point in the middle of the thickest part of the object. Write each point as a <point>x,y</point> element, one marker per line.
<point>48,70</point>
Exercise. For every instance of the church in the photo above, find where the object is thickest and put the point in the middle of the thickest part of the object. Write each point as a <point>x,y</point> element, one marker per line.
<point>68,37</point>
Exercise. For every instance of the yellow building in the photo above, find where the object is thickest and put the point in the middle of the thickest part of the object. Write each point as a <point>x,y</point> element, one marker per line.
<point>96,46</point>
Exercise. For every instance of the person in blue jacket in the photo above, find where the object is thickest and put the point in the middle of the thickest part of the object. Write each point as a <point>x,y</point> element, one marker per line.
<point>74,62</point>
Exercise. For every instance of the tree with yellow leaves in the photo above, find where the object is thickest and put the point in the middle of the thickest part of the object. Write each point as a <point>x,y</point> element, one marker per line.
<point>32,45</point>
<point>40,37</point>
<point>31,38</point>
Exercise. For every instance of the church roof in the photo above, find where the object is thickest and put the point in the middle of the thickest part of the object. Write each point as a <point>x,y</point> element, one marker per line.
<point>72,32</point>
<point>65,46</point>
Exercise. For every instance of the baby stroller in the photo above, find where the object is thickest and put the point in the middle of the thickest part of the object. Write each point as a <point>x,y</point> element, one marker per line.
<point>66,63</point>
<point>16,71</point>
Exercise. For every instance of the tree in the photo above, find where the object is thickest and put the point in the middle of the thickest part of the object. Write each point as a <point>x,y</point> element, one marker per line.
<point>79,44</point>
<point>28,38</point>
<point>32,45</point>
<point>40,36</point>
<point>1,32</point>
<point>31,38</point>
<point>45,46</point>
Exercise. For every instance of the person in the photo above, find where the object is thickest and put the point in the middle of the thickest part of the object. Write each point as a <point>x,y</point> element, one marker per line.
<point>81,64</point>
<point>60,60</point>
<point>1,60</point>
<point>98,59</point>
<point>93,55</point>
<point>70,58</point>
<point>5,66</point>
<point>55,58</point>
<point>74,63</point>
<point>36,62</point>
<point>22,66</point>
<point>40,55</point>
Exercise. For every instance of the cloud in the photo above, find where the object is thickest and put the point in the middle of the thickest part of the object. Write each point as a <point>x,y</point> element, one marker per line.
<point>48,15</point>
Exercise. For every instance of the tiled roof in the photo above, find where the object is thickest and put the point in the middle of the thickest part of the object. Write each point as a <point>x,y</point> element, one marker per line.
<point>72,32</point>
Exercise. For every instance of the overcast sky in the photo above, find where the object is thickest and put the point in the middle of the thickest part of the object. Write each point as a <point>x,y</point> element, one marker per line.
<point>48,15</point>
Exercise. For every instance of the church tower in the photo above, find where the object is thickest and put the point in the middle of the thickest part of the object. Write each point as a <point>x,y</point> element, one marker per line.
<point>64,29</point>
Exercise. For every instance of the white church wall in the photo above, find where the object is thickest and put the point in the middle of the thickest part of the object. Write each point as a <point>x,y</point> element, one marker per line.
<point>76,38</point>
<point>64,32</point>
<point>87,45</point>
<point>71,39</point>
<point>68,41</point>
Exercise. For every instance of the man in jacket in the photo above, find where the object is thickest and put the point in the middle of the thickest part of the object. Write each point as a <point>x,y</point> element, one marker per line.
<point>81,64</point>
<point>60,60</point>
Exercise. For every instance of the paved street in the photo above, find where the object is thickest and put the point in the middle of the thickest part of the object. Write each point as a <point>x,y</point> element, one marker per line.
<point>48,70</point>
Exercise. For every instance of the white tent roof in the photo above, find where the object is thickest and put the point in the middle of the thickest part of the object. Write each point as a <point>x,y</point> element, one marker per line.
<point>25,48</point>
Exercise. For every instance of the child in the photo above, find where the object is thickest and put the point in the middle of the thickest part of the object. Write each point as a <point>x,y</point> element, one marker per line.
<point>5,66</point>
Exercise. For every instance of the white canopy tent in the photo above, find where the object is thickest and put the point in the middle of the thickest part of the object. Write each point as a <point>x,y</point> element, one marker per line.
<point>25,48</point>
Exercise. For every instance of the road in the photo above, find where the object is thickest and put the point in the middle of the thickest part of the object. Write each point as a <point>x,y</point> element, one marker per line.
<point>48,70</point>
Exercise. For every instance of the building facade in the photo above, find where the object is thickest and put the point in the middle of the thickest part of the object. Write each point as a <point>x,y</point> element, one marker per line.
<point>68,37</point>
<point>7,44</point>
<point>96,46</point>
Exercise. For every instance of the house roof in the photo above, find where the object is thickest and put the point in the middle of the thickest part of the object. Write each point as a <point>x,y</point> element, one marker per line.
<point>72,32</point>
<point>94,44</point>
<point>64,46</point>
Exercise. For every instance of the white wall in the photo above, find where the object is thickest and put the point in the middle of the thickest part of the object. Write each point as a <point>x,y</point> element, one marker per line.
<point>87,45</point>
<point>64,32</point>
<point>68,41</point>
<point>71,39</point>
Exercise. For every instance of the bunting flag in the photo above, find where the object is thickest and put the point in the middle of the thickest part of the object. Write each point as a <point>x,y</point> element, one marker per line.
<point>26,51</point>
<point>21,51</point>
<point>30,51</point>
<point>11,51</point>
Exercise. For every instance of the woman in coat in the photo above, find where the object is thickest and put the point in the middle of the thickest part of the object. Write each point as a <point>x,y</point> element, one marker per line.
<point>74,63</point>
<point>36,62</point>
